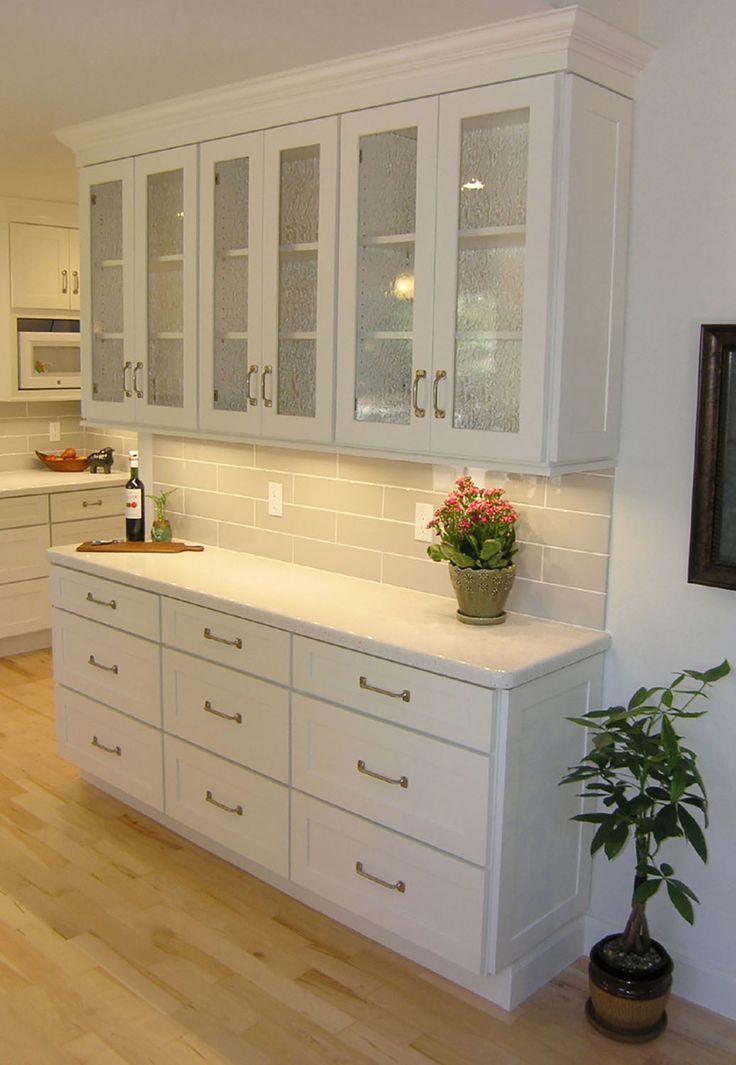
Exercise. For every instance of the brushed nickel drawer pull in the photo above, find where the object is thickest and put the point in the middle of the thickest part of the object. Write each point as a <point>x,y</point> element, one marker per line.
<point>98,665</point>
<point>399,886</point>
<point>404,695</point>
<point>237,642</point>
<point>419,412</point>
<point>110,750</point>
<point>267,371</point>
<point>252,371</point>
<point>87,503</point>
<point>221,805</point>
<point>101,602</point>
<point>209,709</point>
<point>440,375</point>
<point>403,782</point>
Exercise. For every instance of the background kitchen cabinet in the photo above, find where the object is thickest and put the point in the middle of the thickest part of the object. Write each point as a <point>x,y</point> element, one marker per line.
<point>44,267</point>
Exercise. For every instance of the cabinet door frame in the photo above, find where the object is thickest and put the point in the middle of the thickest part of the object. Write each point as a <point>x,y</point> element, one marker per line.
<point>46,290</point>
<point>250,146</point>
<point>423,114</point>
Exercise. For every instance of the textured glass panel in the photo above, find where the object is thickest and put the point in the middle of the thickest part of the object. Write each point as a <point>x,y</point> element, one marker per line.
<point>230,375</point>
<point>231,204</point>
<point>165,298</point>
<point>383,381</point>
<point>388,183</point>
<point>386,289</point>
<point>297,378</point>
<point>493,170</point>
<point>165,373</point>
<point>166,213</point>
<point>106,220</point>
<point>107,298</point>
<point>299,204</point>
<point>298,293</point>
<point>490,289</point>
<point>231,296</point>
<point>487,385</point>
<point>107,370</point>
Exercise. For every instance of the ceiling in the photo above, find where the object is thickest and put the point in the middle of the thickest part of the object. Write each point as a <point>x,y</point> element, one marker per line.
<point>63,63</point>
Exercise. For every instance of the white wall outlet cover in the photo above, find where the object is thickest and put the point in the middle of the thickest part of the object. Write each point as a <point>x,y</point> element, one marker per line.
<point>423,513</point>
<point>54,432</point>
<point>275,499</point>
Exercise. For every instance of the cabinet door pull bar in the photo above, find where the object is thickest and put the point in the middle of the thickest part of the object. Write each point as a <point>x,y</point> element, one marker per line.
<point>252,370</point>
<point>136,383</point>
<point>419,412</point>
<point>64,281</point>
<point>127,386</point>
<point>87,503</point>
<point>209,709</point>
<point>209,635</point>
<point>403,782</point>
<point>110,750</point>
<point>404,695</point>
<point>267,371</point>
<point>221,805</point>
<point>98,665</point>
<point>440,375</point>
<point>101,602</point>
<point>399,886</point>
<point>75,282</point>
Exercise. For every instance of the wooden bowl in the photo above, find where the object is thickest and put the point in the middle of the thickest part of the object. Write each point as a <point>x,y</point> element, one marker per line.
<point>59,465</point>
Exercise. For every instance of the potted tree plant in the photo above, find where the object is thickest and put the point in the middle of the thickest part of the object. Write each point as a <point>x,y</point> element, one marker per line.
<point>651,791</point>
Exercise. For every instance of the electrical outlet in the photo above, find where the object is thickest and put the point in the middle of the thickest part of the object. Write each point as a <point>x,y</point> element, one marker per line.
<point>422,514</point>
<point>275,499</point>
<point>54,432</point>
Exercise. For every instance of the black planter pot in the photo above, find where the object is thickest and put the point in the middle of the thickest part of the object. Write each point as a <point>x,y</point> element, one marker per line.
<point>628,1006</point>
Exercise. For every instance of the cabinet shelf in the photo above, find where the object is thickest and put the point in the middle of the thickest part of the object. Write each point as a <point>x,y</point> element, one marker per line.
<point>385,334</point>
<point>178,257</point>
<point>234,335</point>
<point>235,253</point>
<point>488,334</point>
<point>391,240</point>
<point>492,235</point>
<point>109,264</point>
<point>310,248</point>
<point>298,335</point>
<point>167,336</point>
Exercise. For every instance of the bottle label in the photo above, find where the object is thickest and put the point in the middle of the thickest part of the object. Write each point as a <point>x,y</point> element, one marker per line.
<point>133,502</point>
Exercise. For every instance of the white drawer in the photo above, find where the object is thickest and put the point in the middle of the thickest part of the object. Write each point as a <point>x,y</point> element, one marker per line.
<point>96,503</point>
<point>238,809</point>
<point>240,717</point>
<point>106,601</point>
<point>24,607</point>
<point>420,786</point>
<point>226,639</point>
<point>440,706</point>
<point>116,668</point>
<point>441,906</point>
<point>23,553</point>
<point>76,532</point>
<point>125,753</point>
<point>23,510</point>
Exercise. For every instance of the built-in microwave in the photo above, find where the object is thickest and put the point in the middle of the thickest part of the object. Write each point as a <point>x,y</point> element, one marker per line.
<point>48,353</point>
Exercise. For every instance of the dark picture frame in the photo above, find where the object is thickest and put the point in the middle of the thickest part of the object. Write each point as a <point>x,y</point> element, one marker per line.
<point>713,516</point>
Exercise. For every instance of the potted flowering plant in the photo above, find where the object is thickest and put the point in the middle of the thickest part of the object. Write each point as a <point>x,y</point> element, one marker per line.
<point>477,536</point>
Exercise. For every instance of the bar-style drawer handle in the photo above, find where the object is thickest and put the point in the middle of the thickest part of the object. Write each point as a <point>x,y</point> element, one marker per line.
<point>221,805</point>
<point>110,750</point>
<point>403,782</point>
<point>405,695</point>
<point>102,602</point>
<point>399,886</point>
<point>97,503</point>
<point>209,709</point>
<point>98,665</point>
<point>237,642</point>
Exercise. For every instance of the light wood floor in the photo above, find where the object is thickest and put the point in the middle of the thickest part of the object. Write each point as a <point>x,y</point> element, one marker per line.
<point>122,944</point>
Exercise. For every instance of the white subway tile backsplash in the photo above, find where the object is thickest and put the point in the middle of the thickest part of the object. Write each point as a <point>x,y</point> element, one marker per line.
<point>233,480</point>
<point>590,492</point>
<point>257,542</point>
<point>337,558</point>
<point>345,496</point>
<point>297,521</point>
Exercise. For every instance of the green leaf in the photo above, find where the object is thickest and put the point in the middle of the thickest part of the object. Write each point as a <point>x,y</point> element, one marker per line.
<point>645,892</point>
<point>678,784</point>
<point>603,739</point>
<point>586,724</point>
<point>593,819</point>
<point>616,840</point>
<point>490,548</point>
<point>665,869</point>
<point>680,901</point>
<point>600,837</point>
<point>435,553</point>
<point>639,697</point>
<point>693,833</point>
<point>683,887</point>
<point>665,824</point>
<point>668,738</point>
<point>712,675</point>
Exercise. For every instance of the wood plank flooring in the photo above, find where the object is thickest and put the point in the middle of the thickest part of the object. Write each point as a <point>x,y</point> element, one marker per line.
<point>123,944</point>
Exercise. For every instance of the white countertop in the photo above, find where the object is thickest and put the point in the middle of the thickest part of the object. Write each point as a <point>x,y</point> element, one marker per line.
<point>410,627</point>
<point>37,482</point>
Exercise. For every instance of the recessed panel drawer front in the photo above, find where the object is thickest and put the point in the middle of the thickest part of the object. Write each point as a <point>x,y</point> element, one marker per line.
<point>226,639</point>
<point>24,607</point>
<point>240,717</point>
<point>232,806</point>
<point>23,510</point>
<point>116,668</point>
<point>23,553</point>
<point>416,785</point>
<point>99,503</point>
<point>441,706</point>
<point>89,528</point>
<point>125,753</point>
<point>106,601</point>
<point>428,898</point>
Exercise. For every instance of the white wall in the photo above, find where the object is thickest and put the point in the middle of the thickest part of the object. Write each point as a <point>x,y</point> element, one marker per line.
<point>682,273</point>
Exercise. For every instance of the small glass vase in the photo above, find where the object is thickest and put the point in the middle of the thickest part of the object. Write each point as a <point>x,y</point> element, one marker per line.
<point>161,530</point>
<point>482,593</point>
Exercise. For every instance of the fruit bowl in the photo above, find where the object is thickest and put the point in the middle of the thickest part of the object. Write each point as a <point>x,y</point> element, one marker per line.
<point>70,464</point>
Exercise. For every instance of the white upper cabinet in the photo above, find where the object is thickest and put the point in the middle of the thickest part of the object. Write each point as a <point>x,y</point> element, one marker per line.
<point>44,267</point>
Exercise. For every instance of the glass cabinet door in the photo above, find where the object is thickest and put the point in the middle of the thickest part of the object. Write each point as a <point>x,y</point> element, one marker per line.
<point>387,229</point>
<point>493,241</point>
<point>106,238</point>
<point>300,206</point>
<point>231,183</point>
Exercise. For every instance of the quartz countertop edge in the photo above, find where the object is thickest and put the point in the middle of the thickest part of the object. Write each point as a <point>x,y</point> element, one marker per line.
<point>412,627</point>
<point>43,481</point>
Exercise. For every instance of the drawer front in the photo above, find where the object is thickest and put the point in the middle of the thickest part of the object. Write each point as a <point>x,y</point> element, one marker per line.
<point>239,717</point>
<point>440,706</point>
<point>24,607</point>
<point>226,639</point>
<point>23,553</point>
<point>416,785</point>
<point>105,601</point>
<point>115,668</point>
<point>97,503</point>
<point>23,510</point>
<point>362,867</point>
<point>76,532</point>
<point>125,753</point>
<point>238,809</point>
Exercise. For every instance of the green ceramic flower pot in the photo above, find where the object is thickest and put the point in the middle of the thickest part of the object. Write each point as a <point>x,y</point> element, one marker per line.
<point>482,593</point>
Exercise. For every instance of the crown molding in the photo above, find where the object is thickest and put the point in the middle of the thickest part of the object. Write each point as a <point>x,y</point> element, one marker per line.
<point>568,39</point>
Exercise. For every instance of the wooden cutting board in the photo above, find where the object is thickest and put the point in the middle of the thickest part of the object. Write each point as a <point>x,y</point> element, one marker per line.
<point>161,547</point>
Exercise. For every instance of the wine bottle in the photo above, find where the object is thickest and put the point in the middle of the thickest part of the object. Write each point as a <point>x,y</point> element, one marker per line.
<point>135,523</point>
